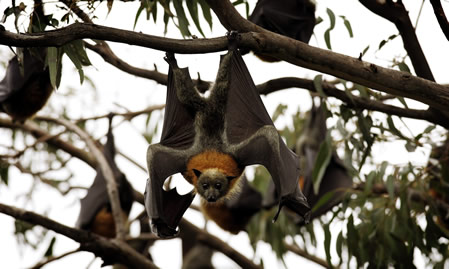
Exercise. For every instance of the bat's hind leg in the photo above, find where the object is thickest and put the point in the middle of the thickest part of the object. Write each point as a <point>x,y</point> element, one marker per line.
<point>185,89</point>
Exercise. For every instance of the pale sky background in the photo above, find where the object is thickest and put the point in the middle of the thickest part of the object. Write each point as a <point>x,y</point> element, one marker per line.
<point>116,87</point>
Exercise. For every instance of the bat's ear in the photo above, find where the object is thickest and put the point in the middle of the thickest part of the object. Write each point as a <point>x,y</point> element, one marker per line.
<point>230,178</point>
<point>197,173</point>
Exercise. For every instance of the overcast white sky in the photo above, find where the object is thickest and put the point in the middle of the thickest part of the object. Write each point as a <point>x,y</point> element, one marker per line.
<point>115,87</point>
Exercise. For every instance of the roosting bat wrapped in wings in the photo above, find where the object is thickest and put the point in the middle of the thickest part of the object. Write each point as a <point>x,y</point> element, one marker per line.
<point>336,179</point>
<point>211,140</point>
<point>24,91</point>
<point>291,18</point>
<point>95,212</point>
<point>26,86</point>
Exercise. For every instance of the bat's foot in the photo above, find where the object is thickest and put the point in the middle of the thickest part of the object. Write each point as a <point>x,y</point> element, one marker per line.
<point>233,38</point>
<point>170,59</point>
<point>162,230</point>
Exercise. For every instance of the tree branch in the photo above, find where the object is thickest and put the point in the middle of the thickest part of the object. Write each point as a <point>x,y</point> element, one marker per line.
<point>348,68</point>
<point>57,142</point>
<point>295,52</point>
<point>396,13</point>
<point>111,251</point>
<point>219,245</point>
<point>352,101</point>
<point>307,255</point>
<point>441,17</point>
<point>54,258</point>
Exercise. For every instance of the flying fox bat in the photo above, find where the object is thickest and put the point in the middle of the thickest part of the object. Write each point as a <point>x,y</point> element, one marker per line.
<point>26,86</point>
<point>95,213</point>
<point>335,178</point>
<point>234,214</point>
<point>23,94</point>
<point>211,140</point>
<point>292,18</point>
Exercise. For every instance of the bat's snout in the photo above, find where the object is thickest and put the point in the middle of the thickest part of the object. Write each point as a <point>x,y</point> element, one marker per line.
<point>212,199</point>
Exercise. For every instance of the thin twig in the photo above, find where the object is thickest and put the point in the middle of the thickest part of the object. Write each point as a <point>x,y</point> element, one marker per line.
<point>305,254</point>
<point>55,258</point>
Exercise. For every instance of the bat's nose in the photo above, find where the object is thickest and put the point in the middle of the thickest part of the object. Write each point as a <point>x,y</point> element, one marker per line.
<point>211,199</point>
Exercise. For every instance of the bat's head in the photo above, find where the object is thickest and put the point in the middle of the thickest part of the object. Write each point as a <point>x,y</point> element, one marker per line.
<point>212,184</point>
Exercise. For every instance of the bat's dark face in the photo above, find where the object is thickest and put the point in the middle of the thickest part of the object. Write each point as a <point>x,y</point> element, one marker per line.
<point>212,184</point>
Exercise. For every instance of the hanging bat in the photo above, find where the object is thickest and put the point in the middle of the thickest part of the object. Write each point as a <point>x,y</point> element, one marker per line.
<point>26,86</point>
<point>335,178</point>
<point>95,213</point>
<point>291,18</point>
<point>22,94</point>
<point>234,214</point>
<point>211,140</point>
<point>198,257</point>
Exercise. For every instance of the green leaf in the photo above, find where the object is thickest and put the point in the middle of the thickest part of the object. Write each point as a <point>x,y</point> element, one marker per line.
<point>139,11</point>
<point>383,42</point>
<point>323,200</point>
<point>327,244</point>
<point>77,54</point>
<point>54,65</point>
<point>280,110</point>
<point>183,23</point>
<point>206,12</point>
<point>327,39</point>
<point>322,161</point>
<point>365,50</point>
<point>166,18</point>
<point>429,129</point>
<point>331,15</point>
<point>4,172</point>
<point>390,186</point>
<point>348,26</point>
<point>192,5</point>
<point>49,252</point>
<point>410,146</point>
<point>339,246</point>
<point>318,84</point>
<point>404,67</point>
<point>153,10</point>
<point>369,182</point>
<point>402,100</point>
<point>109,4</point>
<point>393,128</point>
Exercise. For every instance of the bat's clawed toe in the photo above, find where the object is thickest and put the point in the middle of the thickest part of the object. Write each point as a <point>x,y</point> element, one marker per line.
<point>170,59</point>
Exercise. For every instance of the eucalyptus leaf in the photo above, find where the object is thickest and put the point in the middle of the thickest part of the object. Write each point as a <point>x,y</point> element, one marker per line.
<point>183,23</point>
<point>192,6</point>
<point>322,161</point>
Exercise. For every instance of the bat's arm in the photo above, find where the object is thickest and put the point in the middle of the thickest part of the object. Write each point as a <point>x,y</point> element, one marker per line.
<point>267,148</point>
<point>165,209</point>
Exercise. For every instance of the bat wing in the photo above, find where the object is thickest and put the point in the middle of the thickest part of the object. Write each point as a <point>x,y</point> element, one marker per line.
<point>95,199</point>
<point>165,209</point>
<point>178,128</point>
<point>292,18</point>
<point>255,140</point>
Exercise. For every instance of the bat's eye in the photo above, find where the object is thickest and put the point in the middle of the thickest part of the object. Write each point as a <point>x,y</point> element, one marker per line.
<point>205,186</point>
<point>218,186</point>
